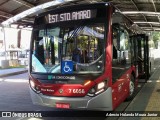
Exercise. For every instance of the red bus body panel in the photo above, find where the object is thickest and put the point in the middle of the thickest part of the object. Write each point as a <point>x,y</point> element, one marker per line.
<point>120,89</point>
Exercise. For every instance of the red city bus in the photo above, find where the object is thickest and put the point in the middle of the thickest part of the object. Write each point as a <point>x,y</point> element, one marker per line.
<point>82,57</point>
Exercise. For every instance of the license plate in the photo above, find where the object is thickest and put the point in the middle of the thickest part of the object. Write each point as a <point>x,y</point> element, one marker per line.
<point>63,105</point>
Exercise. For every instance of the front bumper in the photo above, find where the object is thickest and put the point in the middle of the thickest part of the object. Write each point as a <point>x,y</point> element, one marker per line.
<point>101,102</point>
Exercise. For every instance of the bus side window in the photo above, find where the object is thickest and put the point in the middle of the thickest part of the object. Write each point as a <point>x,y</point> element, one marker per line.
<point>114,47</point>
<point>115,52</point>
<point>121,52</point>
<point>115,42</point>
<point>125,55</point>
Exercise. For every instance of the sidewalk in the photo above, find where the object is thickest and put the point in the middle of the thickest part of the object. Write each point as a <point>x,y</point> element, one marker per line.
<point>12,71</point>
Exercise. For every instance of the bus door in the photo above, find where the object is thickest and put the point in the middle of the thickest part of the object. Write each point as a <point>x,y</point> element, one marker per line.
<point>134,53</point>
<point>143,56</point>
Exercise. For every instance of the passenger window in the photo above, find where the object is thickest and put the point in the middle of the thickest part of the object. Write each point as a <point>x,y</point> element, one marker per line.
<point>121,51</point>
<point>115,40</point>
<point>123,54</point>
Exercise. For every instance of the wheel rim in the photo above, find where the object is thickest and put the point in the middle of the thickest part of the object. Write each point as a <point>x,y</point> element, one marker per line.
<point>131,87</point>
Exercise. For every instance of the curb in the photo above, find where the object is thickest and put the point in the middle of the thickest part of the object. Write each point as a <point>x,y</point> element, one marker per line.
<point>14,73</point>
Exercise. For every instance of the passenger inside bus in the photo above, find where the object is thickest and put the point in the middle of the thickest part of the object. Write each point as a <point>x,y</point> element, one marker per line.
<point>84,57</point>
<point>80,56</point>
<point>76,56</point>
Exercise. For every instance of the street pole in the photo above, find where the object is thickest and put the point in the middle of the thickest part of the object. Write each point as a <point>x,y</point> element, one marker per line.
<point>4,40</point>
<point>5,62</point>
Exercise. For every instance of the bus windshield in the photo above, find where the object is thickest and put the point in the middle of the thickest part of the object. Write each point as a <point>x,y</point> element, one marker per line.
<point>82,46</point>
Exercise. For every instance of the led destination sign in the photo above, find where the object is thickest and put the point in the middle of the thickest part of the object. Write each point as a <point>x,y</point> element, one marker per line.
<point>76,15</point>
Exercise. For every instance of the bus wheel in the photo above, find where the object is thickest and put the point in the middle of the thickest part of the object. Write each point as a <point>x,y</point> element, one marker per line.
<point>131,88</point>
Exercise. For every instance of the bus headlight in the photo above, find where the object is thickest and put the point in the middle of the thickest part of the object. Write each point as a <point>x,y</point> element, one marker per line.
<point>34,87</point>
<point>32,84</point>
<point>100,87</point>
<point>91,92</point>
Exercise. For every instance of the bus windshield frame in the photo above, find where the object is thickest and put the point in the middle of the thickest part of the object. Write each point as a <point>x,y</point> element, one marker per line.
<point>86,37</point>
<point>92,44</point>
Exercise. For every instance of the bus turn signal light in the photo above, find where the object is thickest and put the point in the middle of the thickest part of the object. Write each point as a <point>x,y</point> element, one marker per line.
<point>87,82</point>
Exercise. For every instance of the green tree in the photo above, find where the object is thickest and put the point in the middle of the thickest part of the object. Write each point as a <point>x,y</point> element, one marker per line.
<point>156,38</point>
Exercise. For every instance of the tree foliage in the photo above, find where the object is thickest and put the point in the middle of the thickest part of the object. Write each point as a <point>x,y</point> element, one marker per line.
<point>156,38</point>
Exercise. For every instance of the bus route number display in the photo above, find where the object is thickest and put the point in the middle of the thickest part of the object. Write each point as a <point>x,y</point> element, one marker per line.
<point>78,15</point>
